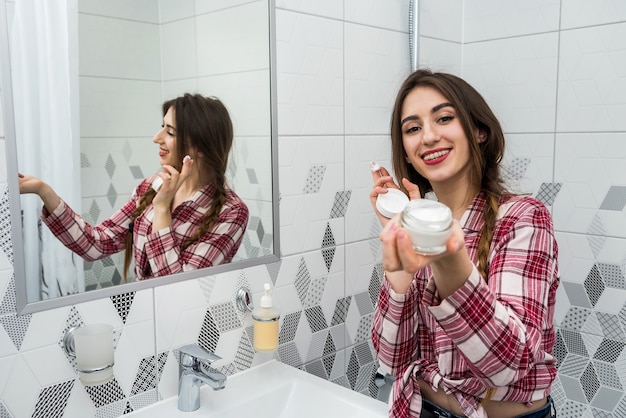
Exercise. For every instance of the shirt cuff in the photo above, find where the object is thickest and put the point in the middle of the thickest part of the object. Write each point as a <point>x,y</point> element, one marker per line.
<point>449,305</point>
<point>398,298</point>
<point>56,213</point>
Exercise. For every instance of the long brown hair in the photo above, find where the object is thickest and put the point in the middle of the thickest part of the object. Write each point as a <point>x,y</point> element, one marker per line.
<point>204,125</point>
<point>485,156</point>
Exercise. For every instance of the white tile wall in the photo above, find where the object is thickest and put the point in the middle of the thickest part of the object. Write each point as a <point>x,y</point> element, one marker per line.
<point>592,79</point>
<point>440,55</point>
<point>119,48</point>
<point>325,8</point>
<point>139,10</point>
<point>178,46</point>
<point>441,19</point>
<point>376,61</point>
<point>171,10</point>
<point>236,26</point>
<point>332,93</point>
<point>579,13</point>
<point>310,82</point>
<point>490,19</point>
<point>588,164</point>
<point>388,14</point>
<point>517,76</point>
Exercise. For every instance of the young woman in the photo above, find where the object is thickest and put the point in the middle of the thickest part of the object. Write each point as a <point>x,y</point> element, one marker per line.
<point>468,332</point>
<point>193,221</point>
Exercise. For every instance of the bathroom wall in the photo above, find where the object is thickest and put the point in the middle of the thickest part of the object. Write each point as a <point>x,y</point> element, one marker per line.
<point>557,85</point>
<point>338,65</point>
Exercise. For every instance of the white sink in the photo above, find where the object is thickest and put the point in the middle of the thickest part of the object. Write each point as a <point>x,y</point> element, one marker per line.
<point>273,390</point>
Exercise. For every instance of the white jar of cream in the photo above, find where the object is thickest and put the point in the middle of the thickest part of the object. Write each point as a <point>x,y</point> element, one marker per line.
<point>429,225</point>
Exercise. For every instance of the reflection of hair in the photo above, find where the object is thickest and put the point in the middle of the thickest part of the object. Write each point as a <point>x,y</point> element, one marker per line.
<point>204,129</point>
<point>475,116</point>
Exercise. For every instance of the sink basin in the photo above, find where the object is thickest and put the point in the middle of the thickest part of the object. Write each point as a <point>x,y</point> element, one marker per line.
<point>273,390</point>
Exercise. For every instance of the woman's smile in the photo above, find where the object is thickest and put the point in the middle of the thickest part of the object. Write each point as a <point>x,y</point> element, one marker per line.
<point>435,156</point>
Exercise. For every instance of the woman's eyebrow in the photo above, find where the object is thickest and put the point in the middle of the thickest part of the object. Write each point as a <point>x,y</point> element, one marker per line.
<point>433,110</point>
<point>441,106</point>
<point>170,127</point>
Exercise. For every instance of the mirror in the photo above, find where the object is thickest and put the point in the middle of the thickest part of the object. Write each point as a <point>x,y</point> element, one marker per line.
<point>119,61</point>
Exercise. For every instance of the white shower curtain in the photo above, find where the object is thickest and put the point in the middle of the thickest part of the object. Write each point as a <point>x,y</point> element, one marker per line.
<point>44,67</point>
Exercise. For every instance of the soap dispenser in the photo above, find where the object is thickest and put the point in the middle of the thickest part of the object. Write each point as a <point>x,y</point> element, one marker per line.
<point>265,323</point>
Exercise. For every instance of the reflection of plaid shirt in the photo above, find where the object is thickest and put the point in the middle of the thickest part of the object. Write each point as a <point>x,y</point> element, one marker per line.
<point>157,253</point>
<point>498,334</point>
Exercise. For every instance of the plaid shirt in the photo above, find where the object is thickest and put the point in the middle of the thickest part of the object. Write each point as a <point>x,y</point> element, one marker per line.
<point>498,334</point>
<point>157,253</point>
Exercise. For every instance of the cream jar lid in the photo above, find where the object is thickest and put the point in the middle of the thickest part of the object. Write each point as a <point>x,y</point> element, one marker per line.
<point>427,215</point>
<point>391,203</point>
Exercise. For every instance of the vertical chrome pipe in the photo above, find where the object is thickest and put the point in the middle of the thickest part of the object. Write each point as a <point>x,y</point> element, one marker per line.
<point>414,34</point>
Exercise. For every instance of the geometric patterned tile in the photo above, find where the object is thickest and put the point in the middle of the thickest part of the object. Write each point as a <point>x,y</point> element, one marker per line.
<point>590,382</point>
<point>612,275</point>
<point>16,326</point>
<point>615,199</point>
<point>609,350</point>
<point>51,401</point>
<point>547,193</point>
<point>341,310</point>
<point>328,246</point>
<point>575,318</point>
<point>105,394</point>
<point>302,280</point>
<point>314,179</point>
<point>342,199</point>
<point>316,318</point>
<point>607,375</point>
<point>611,326</point>
<point>594,285</point>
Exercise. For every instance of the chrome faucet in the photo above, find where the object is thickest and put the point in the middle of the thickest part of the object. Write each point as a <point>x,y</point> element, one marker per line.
<point>193,370</point>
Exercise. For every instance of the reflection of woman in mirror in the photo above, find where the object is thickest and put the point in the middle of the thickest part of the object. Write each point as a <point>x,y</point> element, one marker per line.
<point>193,221</point>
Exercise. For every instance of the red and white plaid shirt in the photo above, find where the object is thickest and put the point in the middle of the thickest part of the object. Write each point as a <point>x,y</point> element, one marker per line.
<point>157,253</point>
<point>498,334</point>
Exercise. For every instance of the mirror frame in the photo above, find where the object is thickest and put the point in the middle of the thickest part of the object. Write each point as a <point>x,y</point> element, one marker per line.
<point>22,304</point>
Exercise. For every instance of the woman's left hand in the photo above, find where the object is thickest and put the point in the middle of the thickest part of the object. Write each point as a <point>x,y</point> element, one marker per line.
<point>450,269</point>
<point>398,252</point>
<point>172,180</point>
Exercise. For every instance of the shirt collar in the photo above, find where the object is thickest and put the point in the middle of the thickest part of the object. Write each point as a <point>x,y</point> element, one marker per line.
<point>472,219</point>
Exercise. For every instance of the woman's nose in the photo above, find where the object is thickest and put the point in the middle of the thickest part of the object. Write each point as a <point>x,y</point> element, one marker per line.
<point>157,137</point>
<point>429,134</point>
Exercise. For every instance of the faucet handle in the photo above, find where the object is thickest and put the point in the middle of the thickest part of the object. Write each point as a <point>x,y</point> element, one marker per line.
<point>194,350</point>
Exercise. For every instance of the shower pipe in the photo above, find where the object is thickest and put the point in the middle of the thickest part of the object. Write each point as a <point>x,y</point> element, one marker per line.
<point>414,34</point>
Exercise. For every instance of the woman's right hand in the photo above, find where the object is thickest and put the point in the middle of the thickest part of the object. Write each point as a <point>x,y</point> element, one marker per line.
<point>383,181</point>
<point>29,184</point>
<point>32,184</point>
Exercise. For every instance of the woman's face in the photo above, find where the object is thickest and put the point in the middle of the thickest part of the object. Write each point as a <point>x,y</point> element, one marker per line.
<point>433,138</point>
<point>166,138</point>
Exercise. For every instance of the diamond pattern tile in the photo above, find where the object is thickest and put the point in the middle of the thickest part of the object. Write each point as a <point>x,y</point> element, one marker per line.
<point>341,310</point>
<point>615,199</point>
<point>314,179</point>
<point>548,192</point>
<point>340,205</point>
<point>609,351</point>
<point>51,401</point>
<point>316,319</point>
<point>594,285</point>
<point>5,226</point>
<point>328,246</point>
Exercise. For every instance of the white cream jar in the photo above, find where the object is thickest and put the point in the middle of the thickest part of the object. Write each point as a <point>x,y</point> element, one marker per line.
<point>429,225</point>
